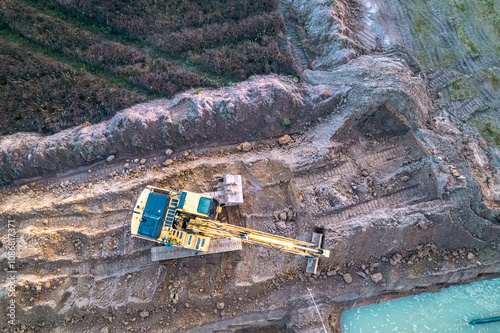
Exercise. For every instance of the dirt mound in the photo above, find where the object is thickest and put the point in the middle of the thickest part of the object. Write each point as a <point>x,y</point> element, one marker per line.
<point>251,110</point>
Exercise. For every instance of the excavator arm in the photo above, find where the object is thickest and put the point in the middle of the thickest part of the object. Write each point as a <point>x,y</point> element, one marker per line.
<point>216,229</point>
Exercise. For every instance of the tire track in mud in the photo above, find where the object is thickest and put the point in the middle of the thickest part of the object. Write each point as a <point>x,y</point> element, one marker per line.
<point>346,167</point>
<point>328,171</point>
<point>384,156</point>
<point>86,220</point>
<point>387,165</point>
<point>367,39</point>
<point>104,285</point>
<point>406,196</point>
<point>99,267</point>
<point>439,79</point>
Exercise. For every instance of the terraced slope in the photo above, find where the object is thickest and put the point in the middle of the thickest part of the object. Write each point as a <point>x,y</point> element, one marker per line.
<point>145,50</point>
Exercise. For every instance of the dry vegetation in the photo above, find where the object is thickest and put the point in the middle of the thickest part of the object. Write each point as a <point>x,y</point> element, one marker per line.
<point>244,58</point>
<point>40,94</point>
<point>142,18</point>
<point>142,49</point>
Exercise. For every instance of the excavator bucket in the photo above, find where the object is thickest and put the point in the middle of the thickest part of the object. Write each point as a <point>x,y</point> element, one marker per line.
<point>230,190</point>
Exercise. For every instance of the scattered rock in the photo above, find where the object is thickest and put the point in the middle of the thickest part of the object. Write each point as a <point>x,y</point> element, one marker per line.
<point>325,93</point>
<point>110,158</point>
<point>136,160</point>
<point>282,216</point>
<point>361,274</point>
<point>174,297</point>
<point>244,146</point>
<point>126,166</point>
<point>364,173</point>
<point>169,152</point>
<point>470,256</point>
<point>85,124</point>
<point>168,162</point>
<point>331,272</point>
<point>347,278</point>
<point>144,314</point>
<point>47,284</point>
<point>405,178</point>
<point>285,139</point>
<point>142,161</point>
<point>105,329</point>
<point>187,305</point>
<point>377,277</point>
<point>220,305</point>
<point>281,225</point>
<point>396,259</point>
<point>24,188</point>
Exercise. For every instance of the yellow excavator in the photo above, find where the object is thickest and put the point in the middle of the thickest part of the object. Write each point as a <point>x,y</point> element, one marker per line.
<point>189,220</point>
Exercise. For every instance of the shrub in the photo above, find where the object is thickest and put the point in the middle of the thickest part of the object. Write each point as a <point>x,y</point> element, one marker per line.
<point>141,18</point>
<point>286,122</point>
<point>163,77</point>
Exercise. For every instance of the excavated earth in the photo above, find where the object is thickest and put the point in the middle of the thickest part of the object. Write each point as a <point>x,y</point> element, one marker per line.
<point>407,196</point>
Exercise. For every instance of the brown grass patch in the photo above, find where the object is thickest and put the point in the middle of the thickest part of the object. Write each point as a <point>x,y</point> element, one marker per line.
<point>39,94</point>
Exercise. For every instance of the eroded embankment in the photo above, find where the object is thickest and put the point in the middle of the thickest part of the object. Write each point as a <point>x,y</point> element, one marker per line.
<point>256,109</point>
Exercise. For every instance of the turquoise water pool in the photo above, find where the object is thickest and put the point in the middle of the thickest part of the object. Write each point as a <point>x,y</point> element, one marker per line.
<point>449,310</point>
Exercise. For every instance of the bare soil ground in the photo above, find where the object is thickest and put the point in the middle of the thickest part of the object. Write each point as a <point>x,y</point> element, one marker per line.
<point>385,156</point>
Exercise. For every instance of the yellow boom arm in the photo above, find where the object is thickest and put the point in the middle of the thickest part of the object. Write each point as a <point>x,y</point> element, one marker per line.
<point>217,229</point>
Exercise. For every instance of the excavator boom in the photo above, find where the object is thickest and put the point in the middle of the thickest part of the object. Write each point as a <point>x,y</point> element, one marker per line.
<point>216,229</point>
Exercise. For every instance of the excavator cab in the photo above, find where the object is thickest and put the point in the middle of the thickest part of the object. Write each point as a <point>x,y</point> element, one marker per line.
<point>199,205</point>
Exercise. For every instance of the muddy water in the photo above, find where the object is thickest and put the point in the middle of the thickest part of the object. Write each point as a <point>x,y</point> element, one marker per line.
<point>449,310</point>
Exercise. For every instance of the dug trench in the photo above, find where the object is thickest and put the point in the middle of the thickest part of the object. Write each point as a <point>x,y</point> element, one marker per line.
<point>371,168</point>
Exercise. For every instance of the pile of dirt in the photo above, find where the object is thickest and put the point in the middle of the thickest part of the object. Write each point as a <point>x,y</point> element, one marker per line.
<point>252,110</point>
